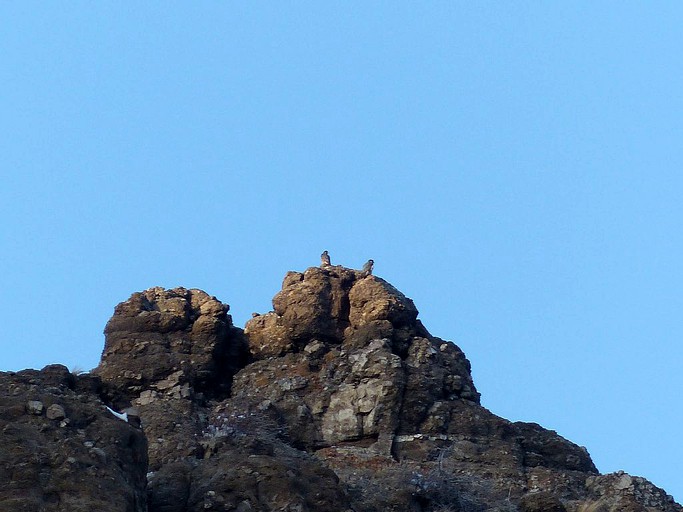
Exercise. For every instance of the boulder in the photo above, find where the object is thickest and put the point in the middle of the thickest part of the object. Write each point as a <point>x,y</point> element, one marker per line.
<point>243,473</point>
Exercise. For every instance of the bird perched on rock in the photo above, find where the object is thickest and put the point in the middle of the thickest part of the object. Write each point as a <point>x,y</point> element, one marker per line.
<point>367,268</point>
<point>325,259</point>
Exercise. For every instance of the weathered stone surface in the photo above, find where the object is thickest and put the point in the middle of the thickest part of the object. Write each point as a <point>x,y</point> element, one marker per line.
<point>330,398</point>
<point>243,473</point>
<point>166,352</point>
<point>312,304</point>
<point>268,337</point>
<point>371,368</point>
<point>367,402</point>
<point>337,400</point>
<point>55,412</point>
<point>436,373</point>
<point>164,340</point>
<point>50,462</point>
<point>622,492</point>
<point>540,502</point>
<point>372,299</point>
<point>35,407</point>
<point>334,305</point>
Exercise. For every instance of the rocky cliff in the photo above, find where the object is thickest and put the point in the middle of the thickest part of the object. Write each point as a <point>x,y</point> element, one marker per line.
<point>337,400</point>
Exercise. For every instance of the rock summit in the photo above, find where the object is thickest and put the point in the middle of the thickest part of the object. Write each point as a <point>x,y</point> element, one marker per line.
<point>337,400</point>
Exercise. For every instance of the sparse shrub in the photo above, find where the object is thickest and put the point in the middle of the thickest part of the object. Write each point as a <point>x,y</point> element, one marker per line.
<point>242,424</point>
<point>77,370</point>
<point>441,489</point>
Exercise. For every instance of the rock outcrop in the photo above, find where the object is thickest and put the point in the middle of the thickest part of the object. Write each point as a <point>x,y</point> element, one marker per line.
<point>343,359</point>
<point>166,353</point>
<point>61,449</point>
<point>175,342</point>
<point>337,400</point>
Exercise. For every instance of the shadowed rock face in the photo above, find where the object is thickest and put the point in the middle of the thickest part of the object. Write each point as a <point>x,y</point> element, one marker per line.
<point>166,353</point>
<point>61,450</point>
<point>339,399</point>
<point>174,342</point>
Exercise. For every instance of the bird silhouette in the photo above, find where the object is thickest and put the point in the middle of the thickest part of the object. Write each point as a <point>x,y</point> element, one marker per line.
<point>367,268</point>
<point>325,259</point>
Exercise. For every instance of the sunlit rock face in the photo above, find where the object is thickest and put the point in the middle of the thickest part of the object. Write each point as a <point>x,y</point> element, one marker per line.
<point>338,399</point>
<point>357,365</point>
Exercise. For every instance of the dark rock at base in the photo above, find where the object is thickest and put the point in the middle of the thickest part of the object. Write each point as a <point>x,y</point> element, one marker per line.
<point>73,455</point>
<point>540,502</point>
<point>621,492</point>
<point>242,472</point>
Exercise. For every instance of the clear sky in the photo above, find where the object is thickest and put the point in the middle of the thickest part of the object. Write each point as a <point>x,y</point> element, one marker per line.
<point>514,167</point>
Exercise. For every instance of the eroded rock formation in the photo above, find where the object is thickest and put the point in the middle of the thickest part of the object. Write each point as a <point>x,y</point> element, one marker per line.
<point>339,399</point>
<point>61,449</point>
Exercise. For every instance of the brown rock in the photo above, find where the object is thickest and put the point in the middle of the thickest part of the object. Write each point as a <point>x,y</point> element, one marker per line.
<point>165,352</point>
<point>279,480</point>
<point>540,502</point>
<point>182,335</point>
<point>622,492</point>
<point>55,412</point>
<point>315,304</point>
<point>390,389</point>
<point>268,337</point>
<point>374,299</point>
<point>347,403</point>
<point>366,403</point>
<point>94,462</point>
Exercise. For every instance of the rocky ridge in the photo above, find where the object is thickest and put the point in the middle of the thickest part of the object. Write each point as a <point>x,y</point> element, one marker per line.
<point>337,400</point>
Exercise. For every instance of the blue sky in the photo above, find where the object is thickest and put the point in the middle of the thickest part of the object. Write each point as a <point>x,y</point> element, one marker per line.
<point>515,168</point>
